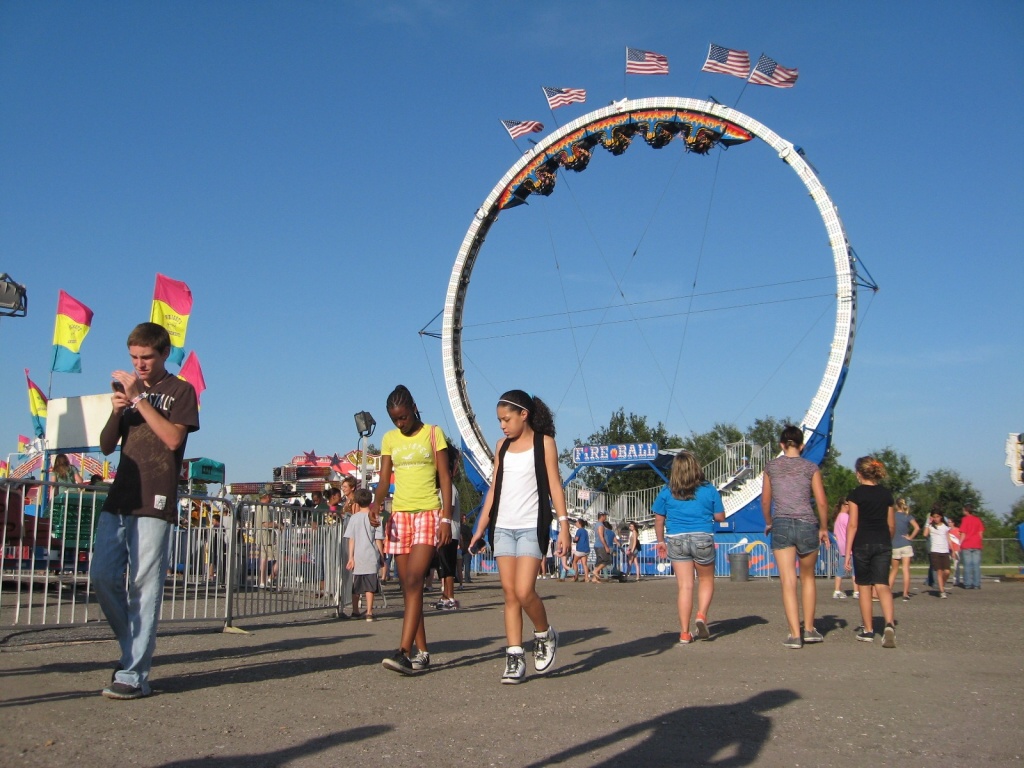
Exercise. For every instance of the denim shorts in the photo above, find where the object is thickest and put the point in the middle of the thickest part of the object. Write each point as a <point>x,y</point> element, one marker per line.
<point>516,542</point>
<point>699,547</point>
<point>787,532</point>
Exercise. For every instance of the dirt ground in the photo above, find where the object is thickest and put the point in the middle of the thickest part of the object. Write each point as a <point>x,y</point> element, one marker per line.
<point>308,690</point>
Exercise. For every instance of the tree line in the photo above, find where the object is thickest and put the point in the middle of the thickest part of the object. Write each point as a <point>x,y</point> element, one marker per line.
<point>942,489</point>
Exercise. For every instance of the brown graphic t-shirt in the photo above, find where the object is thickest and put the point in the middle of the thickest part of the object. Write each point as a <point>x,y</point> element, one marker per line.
<point>146,483</point>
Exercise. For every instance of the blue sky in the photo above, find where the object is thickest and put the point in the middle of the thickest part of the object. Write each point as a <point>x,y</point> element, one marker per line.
<point>310,170</point>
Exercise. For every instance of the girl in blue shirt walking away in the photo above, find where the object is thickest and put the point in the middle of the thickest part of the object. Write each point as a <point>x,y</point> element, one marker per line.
<point>684,521</point>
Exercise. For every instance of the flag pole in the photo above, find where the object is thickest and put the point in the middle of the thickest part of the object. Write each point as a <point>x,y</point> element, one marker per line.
<point>744,88</point>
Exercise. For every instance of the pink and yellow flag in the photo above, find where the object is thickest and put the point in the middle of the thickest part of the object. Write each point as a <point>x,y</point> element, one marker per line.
<point>36,406</point>
<point>172,305</point>
<point>73,322</point>
<point>192,372</point>
<point>23,443</point>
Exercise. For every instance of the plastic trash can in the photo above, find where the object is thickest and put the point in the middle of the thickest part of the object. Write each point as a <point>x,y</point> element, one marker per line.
<point>739,566</point>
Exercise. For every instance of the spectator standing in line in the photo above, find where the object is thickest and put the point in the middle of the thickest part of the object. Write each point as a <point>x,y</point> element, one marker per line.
<point>581,551</point>
<point>842,520</point>
<point>363,555</point>
<point>902,550</point>
<point>604,546</point>
<point>265,524</point>
<point>972,531</point>
<point>348,490</point>
<point>633,550</point>
<point>448,555</point>
<point>517,513</point>
<point>938,540</point>
<point>152,414</point>
<point>419,522</point>
<point>685,512</point>
<point>790,481</point>
<point>869,546</point>
<point>465,535</point>
<point>334,557</point>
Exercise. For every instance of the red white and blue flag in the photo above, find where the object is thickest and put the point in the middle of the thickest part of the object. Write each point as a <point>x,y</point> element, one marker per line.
<point>559,97</point>
<point>645,62</point>
<point>517,128</point>
<point>769,72</point>
<point>726,61</point>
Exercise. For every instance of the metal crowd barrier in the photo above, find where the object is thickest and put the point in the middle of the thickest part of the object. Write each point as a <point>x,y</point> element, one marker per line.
<point>213,558</point>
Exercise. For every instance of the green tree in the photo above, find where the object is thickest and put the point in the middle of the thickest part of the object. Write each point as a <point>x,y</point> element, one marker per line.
<point>838,480</point>
<point>944,490</point>
<point>708,446</point>
<point>623,428</point>
<point>766,431</point>
<point>1016,515</point>
<point>900,475</point>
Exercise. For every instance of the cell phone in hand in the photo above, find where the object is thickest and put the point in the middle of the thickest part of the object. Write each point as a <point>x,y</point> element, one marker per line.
<point>117,386</point>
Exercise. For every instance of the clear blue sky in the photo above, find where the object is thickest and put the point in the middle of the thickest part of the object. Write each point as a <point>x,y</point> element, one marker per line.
<point>310,170</point>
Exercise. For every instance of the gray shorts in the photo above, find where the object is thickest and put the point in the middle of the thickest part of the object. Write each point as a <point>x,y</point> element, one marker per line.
<point>698,547</point>
<point>787,532</point>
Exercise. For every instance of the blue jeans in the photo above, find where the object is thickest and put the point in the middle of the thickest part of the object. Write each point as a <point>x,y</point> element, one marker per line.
<point>971,558</point>
<point>138,545</point>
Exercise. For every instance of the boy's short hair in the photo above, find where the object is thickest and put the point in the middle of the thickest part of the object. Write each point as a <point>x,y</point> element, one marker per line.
<point>150,335</point>
<point>362,497</point>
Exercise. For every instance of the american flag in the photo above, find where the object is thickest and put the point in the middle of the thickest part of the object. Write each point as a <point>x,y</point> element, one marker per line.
<point>517,128</point>
<point>559,97</point>
<point>726,61</point>
<point>645,62</point>
<point>770,72</point>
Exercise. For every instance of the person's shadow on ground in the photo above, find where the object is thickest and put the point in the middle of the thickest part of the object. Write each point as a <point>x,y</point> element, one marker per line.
<point>725,735</point>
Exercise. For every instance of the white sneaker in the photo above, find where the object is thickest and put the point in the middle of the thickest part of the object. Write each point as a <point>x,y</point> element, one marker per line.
<point>515,666</point>
<point>544,647</point>
<point>837,595</point>
<point>420,661</point>
<point>856,593</point>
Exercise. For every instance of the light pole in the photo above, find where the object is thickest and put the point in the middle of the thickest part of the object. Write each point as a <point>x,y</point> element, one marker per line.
<point>365,425</point>
<point>13,297</point>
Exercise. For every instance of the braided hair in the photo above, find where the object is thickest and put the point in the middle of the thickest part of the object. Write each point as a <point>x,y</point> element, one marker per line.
<point>401,396</point>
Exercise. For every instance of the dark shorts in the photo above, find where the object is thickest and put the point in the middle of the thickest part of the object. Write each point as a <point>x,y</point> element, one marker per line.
<point>871,563</point>
<point>939,561</point>
<point>603,557</point>
<point>365,582</point>
<point>447,560</point>
<point>787,532</point>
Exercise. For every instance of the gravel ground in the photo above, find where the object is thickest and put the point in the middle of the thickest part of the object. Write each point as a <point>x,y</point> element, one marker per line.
<point>305,689</point>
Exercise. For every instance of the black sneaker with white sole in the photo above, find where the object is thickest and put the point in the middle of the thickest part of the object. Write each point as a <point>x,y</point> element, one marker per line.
<point>399,663</point>
<point>865,635</point>
<point>123,691</point>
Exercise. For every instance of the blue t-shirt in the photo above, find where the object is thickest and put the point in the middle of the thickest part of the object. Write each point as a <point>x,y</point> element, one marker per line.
<point>694,515</point>
<point>582,540</point>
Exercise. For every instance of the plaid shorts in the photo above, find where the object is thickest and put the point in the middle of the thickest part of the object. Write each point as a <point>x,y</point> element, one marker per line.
<point>409,529</point>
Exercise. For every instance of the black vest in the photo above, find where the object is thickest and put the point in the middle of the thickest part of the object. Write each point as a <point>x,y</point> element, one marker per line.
<point>543,492</point>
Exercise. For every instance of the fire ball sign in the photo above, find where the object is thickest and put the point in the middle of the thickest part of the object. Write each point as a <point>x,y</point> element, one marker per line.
<point>615,454</point>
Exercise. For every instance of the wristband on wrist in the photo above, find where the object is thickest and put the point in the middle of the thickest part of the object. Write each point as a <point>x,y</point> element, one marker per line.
<point>445,521</point>
<point>138,399</point>
<point>563,518</point>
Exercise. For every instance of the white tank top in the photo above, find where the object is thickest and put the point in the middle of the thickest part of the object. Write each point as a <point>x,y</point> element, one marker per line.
<point>518,506</point>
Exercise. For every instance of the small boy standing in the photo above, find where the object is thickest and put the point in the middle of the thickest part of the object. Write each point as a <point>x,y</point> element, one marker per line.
<point>363,555</point>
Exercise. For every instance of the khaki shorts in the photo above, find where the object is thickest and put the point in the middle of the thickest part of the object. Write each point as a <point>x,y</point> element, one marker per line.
<point>900,552</point>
